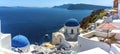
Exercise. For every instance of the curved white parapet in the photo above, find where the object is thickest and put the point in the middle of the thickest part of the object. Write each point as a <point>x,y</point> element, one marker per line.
<point>6,51</point>
<point>86,44</point>
<point>115,49</point>
<point>94,51</point>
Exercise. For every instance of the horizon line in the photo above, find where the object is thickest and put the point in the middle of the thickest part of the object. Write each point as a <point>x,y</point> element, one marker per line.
<point>49,6</point>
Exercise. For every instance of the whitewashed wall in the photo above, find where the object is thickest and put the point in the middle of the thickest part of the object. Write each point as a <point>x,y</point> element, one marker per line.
<point>75,29</point>
<point>5,41</point>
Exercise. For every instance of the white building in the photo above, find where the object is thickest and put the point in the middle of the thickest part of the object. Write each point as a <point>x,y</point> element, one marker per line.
<point>5,40</point>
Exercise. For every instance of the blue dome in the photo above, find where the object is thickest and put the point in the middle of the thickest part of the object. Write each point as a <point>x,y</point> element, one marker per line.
<point>20,41</point>
<point>72,22</point>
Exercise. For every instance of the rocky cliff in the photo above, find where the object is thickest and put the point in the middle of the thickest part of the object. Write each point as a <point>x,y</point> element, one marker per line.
<point>95,15</point>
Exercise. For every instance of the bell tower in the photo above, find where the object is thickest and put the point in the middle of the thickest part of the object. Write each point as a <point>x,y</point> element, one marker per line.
<point>115,6</point>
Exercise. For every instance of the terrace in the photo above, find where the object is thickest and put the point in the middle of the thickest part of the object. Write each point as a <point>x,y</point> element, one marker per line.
<point>97,39</point>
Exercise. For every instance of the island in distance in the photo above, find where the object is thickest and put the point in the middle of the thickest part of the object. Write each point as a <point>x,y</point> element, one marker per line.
<point>81,7</point>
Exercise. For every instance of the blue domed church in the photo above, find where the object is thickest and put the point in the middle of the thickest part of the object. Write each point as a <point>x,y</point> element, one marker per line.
<point>20,42</point>
<point>71,29</point>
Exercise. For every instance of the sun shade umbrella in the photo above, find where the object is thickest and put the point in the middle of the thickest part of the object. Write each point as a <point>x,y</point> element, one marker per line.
<point>107,26</point>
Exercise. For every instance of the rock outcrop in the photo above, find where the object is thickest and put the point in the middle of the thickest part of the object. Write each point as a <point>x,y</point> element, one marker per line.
<point>95,15</point>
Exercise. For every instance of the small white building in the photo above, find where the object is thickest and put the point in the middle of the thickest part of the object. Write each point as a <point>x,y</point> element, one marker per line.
<point>5,40</point>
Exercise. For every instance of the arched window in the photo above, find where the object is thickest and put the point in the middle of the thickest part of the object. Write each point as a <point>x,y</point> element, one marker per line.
<point>72,31</point>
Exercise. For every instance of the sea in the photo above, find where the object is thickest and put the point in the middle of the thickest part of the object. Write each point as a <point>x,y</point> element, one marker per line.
<point>34,22</point>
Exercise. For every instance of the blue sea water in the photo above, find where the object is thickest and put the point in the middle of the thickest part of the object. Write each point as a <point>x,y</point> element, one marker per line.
<point>34,23</point>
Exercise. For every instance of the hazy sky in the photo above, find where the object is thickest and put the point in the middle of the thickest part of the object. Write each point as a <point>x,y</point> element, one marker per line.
<point>50,3</point>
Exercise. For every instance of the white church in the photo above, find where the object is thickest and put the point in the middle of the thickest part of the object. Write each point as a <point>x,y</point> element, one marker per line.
<point>69,32</point>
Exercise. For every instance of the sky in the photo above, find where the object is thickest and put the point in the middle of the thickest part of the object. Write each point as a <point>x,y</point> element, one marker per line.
<point>51,3</point>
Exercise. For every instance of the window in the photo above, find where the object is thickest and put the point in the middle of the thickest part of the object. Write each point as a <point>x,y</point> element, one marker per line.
<point>71,31</point>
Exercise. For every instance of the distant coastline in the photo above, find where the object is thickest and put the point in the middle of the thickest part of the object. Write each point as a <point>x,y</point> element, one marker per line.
<point>81,7</point>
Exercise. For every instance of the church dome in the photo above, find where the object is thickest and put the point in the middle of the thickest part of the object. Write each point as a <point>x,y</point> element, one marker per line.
<point>20,41</point>
<point>72,23</point>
